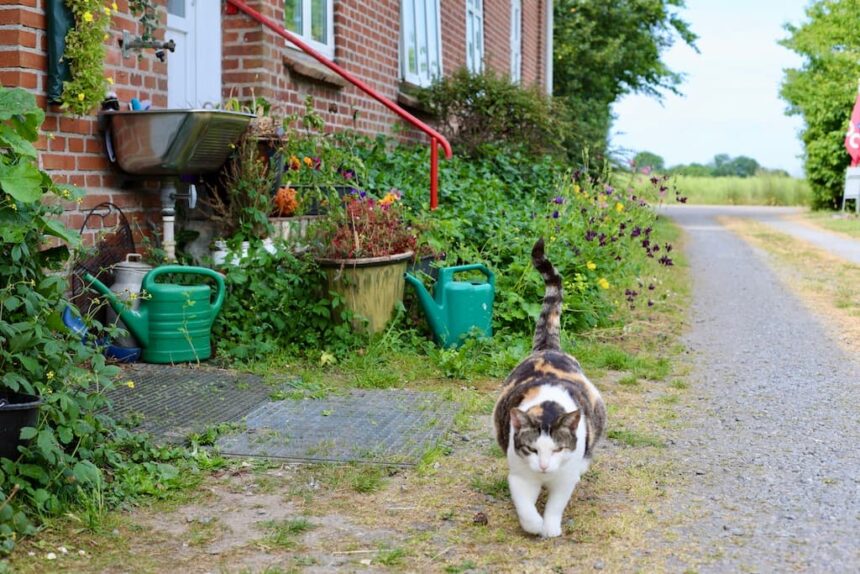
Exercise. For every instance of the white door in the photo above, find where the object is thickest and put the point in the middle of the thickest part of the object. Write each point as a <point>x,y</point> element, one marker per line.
<point>194,69</point>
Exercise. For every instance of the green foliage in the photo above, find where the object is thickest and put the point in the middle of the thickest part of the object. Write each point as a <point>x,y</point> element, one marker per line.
<point>242,202</point>
<point>85,52</point>
<point>494,209</point>
<point>758,190</point>
<point>603,49</point>
<point>75,448</point>
<point>822,91</point>
<point>478,112</point>
<point>650,160</point>
<point>276,302</point>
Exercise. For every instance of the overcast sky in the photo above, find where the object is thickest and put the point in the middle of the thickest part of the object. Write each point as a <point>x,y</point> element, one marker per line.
<point>730,102</point>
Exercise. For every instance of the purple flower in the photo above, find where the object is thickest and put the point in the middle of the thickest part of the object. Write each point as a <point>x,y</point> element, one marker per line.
<point>362,194</point>
<point>650,303</point>
<point>646,243</point>
<point>637,231</point>
<point>608,189</point>
<point>347,174</point>
<point>590,234</point>
<point>648,231</point>
<point>651,286</point>
<point>559,199</point>
<point>666,260</point>
<point>668,247</point>
<point>555,214</point>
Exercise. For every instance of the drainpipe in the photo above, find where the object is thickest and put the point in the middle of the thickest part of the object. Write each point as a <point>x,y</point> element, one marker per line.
<point>548,42</point>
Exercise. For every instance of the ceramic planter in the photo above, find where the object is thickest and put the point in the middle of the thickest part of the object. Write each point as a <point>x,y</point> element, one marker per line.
<point>370,287</point>
<point>16,412</point>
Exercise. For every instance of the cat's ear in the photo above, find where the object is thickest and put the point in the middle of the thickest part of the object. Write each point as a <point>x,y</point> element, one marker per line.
<point>519,419</point>
<point>570,420</point>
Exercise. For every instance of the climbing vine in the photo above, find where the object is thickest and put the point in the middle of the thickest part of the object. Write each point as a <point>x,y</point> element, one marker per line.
<point>85,53</point>
<point>148,16</point>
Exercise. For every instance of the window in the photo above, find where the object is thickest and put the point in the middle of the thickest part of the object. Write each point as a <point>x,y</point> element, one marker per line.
<point>516,40</point>
<point>475,35</point>
<point>313,20</point>
<point>420,41</point>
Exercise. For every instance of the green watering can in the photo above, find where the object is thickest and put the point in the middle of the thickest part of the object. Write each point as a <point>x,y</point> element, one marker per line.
<point>459,306</point>
<point>174,322</point>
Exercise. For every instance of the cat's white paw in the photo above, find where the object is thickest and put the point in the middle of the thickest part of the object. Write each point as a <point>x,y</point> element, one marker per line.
<point>532,525</point>
<point>551,529</point>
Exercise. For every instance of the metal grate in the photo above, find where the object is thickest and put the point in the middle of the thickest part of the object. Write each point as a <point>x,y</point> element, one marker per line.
<point>381,426</point>
<point>170,402</point>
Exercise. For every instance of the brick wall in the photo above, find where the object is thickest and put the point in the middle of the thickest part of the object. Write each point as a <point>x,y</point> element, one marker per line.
<point>367,44</point>
<point>72,149</point>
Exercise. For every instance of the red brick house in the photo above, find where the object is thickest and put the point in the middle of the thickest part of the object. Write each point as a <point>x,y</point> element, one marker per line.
<point>390,44</point>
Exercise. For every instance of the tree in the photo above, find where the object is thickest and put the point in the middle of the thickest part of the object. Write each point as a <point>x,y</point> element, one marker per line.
<point>649,160</point>
<point>604,49</point>
<point>822,90</point>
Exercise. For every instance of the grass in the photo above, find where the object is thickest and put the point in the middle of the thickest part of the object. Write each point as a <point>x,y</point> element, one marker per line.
<point>283,533</point>
<point>846,223</point>
<point>827,284</point>
<point>424,518</point>
<point>757,190</point>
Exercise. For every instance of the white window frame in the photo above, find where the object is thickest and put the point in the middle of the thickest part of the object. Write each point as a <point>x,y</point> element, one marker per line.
<point>327,48</point>
<point>475,36</point>
<point>516,41</point>
<point>421,29</point>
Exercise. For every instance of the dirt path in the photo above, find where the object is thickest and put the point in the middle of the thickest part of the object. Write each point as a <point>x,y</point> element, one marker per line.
<point>771,451</point>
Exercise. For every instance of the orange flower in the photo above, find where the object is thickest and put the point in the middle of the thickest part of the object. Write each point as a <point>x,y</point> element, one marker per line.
<point>308,161</point>
<point>286,202</point>
<point>295,163</point>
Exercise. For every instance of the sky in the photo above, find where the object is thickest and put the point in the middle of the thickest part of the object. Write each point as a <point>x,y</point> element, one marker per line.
<point>730,97</point>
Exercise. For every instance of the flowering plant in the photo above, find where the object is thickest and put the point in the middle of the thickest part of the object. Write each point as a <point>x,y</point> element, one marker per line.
<point>366,227</point>
<point>85,52</point>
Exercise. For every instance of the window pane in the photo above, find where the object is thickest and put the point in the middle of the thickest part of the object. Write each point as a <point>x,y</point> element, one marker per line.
<point>432,13</point>
<point>293,15</point>
<point>176,7</point>
<point>421,24</point>
<point>407,29</point>
<point>319,17</point>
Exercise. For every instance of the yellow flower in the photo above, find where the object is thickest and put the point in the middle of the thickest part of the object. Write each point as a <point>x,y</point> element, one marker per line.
<point>591,265</point>
<point>88,17</point>
<point>110,81</point>
<point>619,207</point>
<point>14,206</point>
<point>115,9</point>
<point>50,375</point>
<point>308,161</point>
<point>603,283</point>
<point>107,11</point>
<point>130,384</point>
<point>107,36</point>
<point>81,97</point>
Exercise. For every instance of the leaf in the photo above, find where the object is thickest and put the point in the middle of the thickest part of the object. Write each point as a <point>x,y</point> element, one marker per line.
<point>58,229</point>
<point>27,433</point>
<point>86,472</point>
<point>9,138</point>
<point>23,181</point>
<point>47,445</point>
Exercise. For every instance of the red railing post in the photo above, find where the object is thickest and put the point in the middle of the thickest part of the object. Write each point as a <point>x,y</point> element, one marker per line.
<point>436,139</point>
<point>434,173</point>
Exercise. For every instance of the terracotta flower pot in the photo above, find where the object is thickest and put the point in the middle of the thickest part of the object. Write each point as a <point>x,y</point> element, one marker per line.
<point>370,287</point>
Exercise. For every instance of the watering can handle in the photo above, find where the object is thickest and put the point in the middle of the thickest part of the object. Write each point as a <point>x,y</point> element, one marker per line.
<point>447,273</point>
<point>150,277</point>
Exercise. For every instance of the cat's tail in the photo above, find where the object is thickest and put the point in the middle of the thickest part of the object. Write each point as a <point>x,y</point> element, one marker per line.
<point>548,329</point>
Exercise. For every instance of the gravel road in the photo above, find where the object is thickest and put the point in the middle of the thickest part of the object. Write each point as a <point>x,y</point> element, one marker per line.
<point>771,452</point>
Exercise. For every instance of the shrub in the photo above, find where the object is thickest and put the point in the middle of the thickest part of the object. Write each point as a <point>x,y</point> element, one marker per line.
<point>481,111</point>
<point>77,452</point>
<point>276,302</point>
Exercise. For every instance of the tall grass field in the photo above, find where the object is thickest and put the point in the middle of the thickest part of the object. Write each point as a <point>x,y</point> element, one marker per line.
<point>757,190</point>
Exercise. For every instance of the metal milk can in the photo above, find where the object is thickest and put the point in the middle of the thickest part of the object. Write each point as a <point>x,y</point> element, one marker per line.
<point>129,275</point>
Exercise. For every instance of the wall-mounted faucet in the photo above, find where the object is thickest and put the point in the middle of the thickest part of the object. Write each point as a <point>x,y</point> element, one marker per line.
<point>129,44</point>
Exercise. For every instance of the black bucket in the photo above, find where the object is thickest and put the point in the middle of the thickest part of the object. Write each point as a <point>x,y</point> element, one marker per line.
<point>16,412</point>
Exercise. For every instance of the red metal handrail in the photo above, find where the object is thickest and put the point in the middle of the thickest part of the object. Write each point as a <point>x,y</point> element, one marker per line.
<point>436,138</point>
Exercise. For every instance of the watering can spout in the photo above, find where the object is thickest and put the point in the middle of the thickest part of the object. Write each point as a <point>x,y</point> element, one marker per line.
<point>431,308</point>
<point>135,320</point>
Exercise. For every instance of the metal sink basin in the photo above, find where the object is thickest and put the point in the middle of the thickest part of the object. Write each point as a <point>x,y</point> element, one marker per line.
<point>172,142</point>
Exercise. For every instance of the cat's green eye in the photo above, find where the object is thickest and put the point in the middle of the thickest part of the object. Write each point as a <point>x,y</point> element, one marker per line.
<point>559,449</point>
<point>530,450</point>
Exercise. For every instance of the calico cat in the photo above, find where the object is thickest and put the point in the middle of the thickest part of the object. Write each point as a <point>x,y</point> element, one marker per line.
<point>548,418</point>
